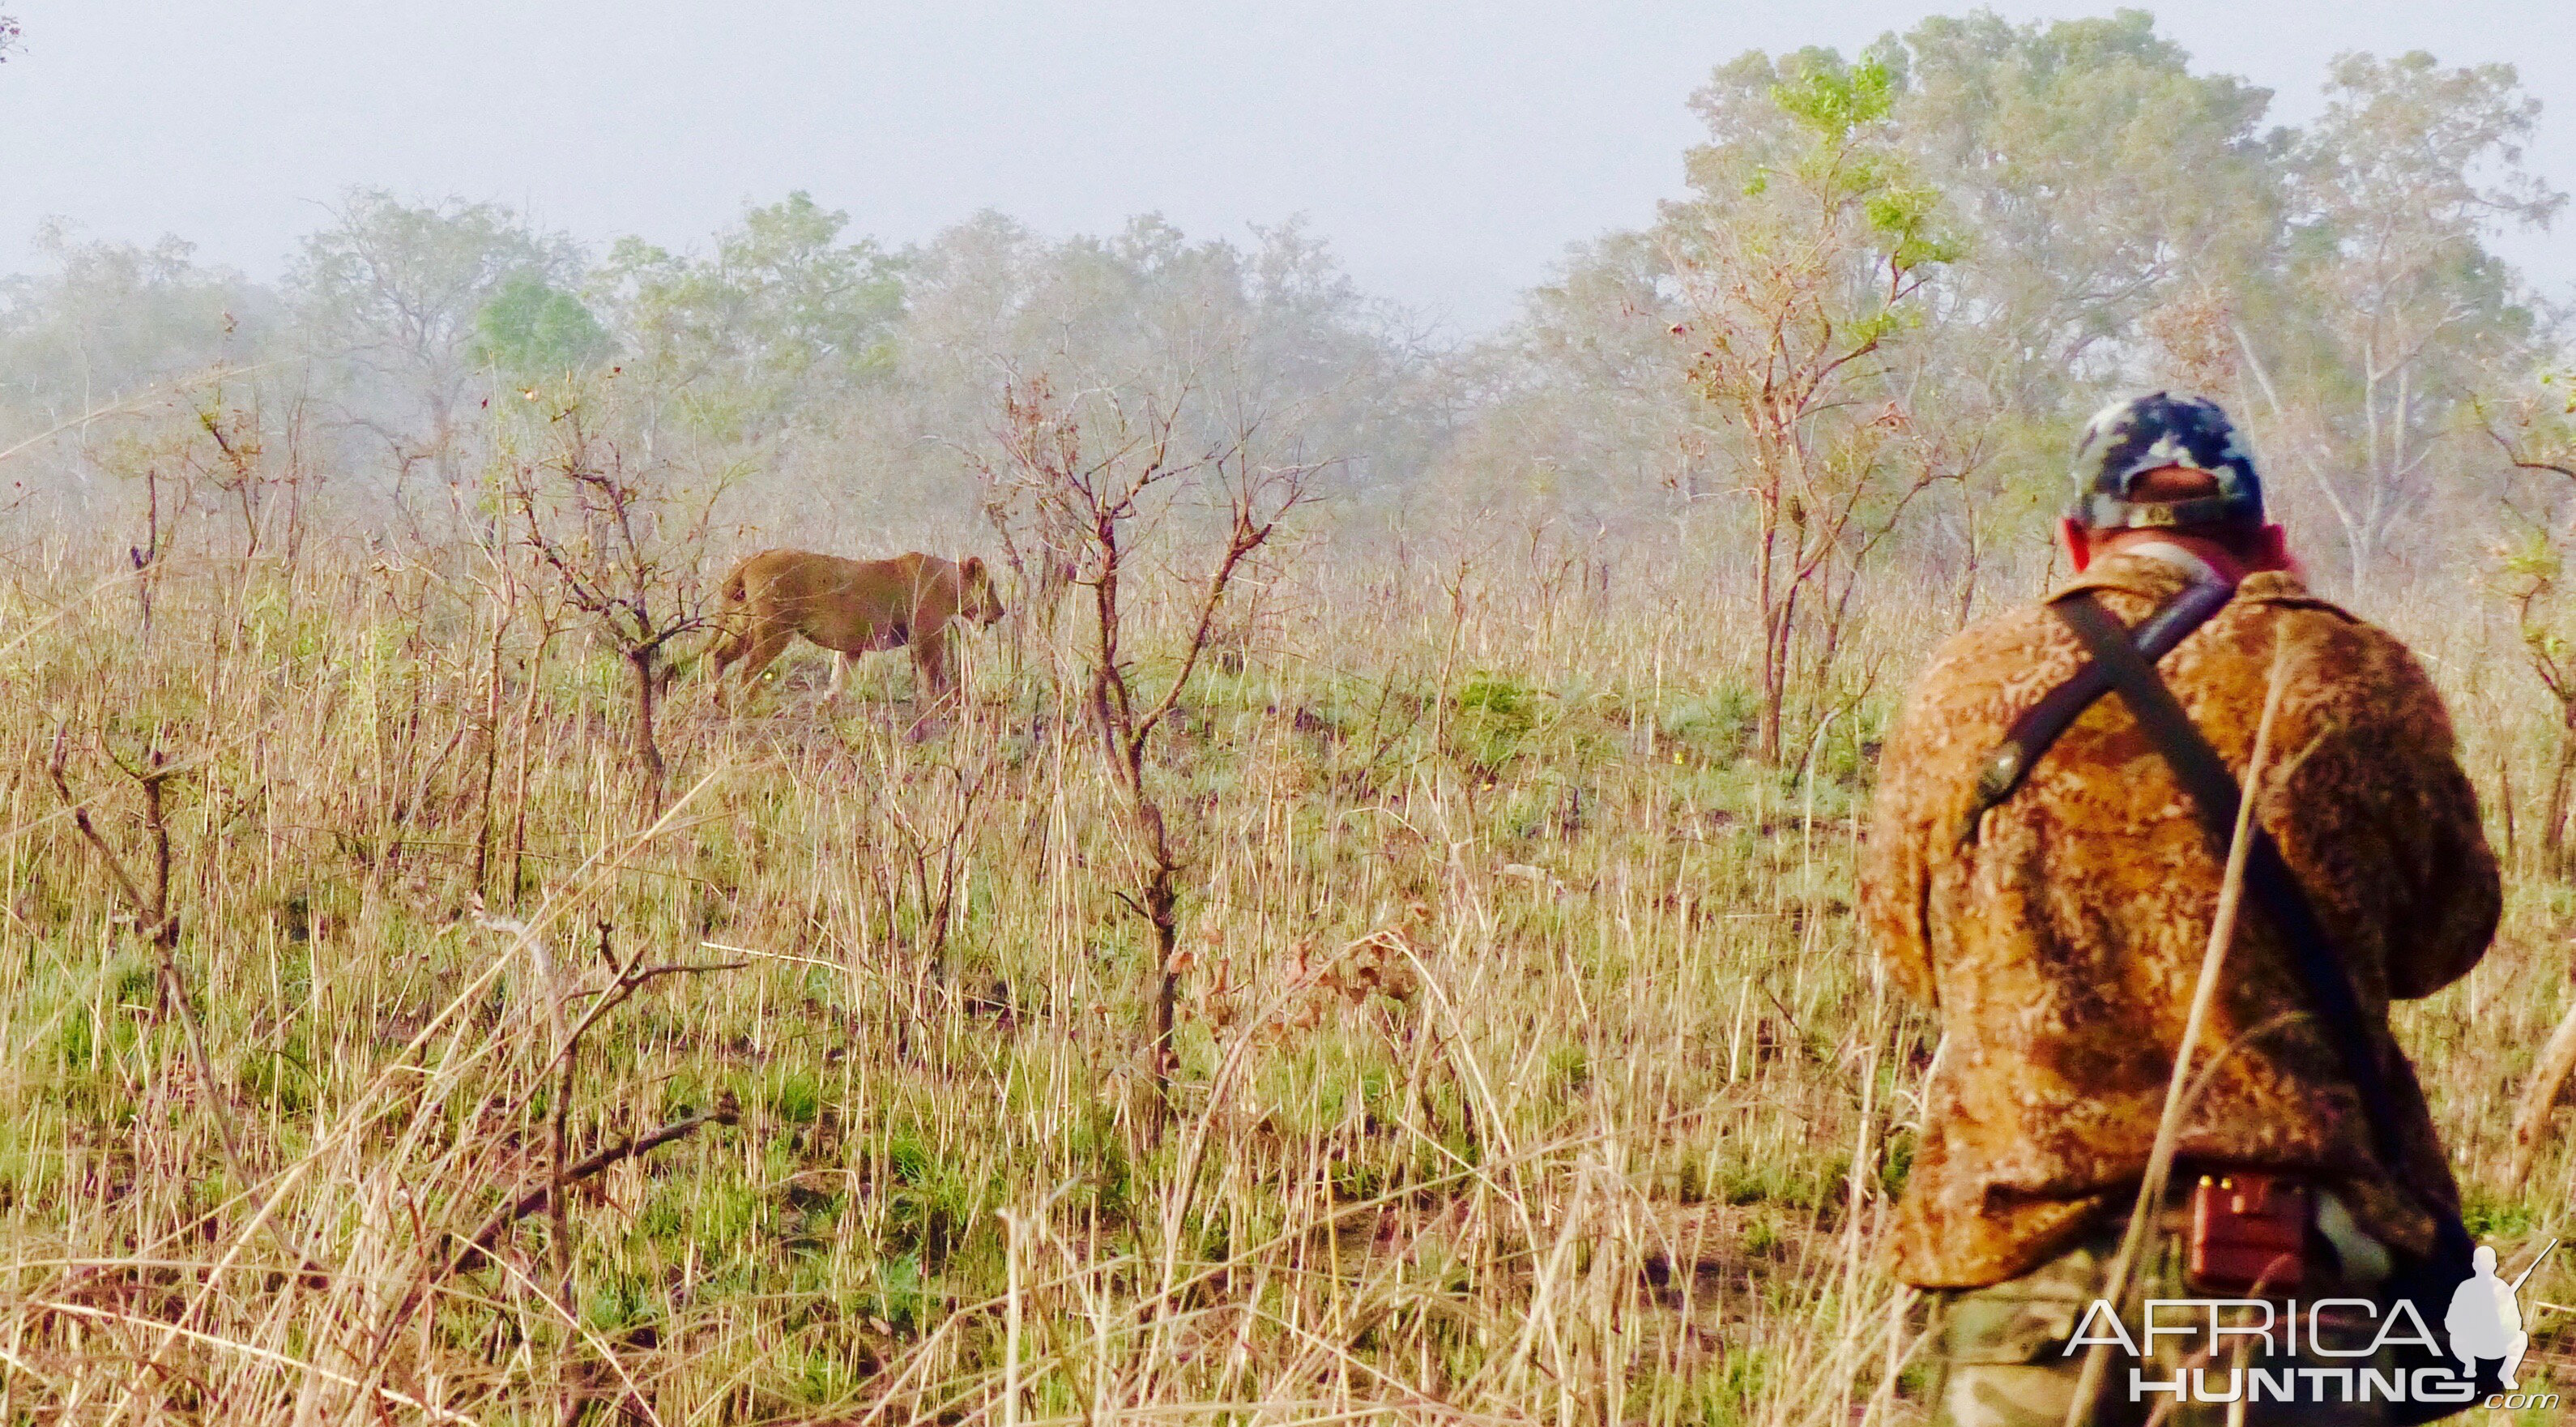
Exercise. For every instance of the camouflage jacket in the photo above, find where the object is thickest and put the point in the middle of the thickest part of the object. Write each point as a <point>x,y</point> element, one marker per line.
<point>2059,947</point>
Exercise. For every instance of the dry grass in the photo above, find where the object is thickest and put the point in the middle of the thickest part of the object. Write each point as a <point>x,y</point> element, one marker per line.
<point>1528,1071</point>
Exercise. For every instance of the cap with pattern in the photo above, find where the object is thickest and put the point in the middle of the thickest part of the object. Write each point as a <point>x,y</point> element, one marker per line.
<point>2129,438</point>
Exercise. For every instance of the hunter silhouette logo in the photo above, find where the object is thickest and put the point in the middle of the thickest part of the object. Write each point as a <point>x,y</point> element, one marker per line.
<point>2485,1320</point>
<point>2326,1351</point>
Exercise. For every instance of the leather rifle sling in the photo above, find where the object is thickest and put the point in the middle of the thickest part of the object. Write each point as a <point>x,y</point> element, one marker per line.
<point>2004,768</point>
<point>2213,792</point>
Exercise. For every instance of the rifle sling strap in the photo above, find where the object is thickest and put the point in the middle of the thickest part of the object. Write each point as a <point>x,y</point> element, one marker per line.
<point>2273,887</point>
<point>2029,738</point>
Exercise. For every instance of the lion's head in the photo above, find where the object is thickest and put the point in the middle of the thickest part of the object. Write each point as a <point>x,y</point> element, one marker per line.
<point>976,598</point>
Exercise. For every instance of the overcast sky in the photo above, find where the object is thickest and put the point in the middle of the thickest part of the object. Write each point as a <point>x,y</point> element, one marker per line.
<point>1449,152</point>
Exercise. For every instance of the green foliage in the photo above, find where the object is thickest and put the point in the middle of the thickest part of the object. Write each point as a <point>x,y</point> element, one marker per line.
<point>1906,217</point>
<point>1714,728</point>
<point>931,1202</point>
<point>1839,146</point>
<point>1897,1164</point>
<point>2488,1217</point>
<point>1832,98</point>
<point>532,331</point>
<point>1637,1009</point>
<point>782,314</point>
<point>2080,157</point>
<point>1761,1235</point>
<point>795,1097</point>
<point>902,1296</point>
<point>112,318</point>
<point>401,285</point>
<point>2531,558</point>
<point>2402,314</point>
<point>1502,700</point>
<point>1791,1185</point>
<point>1494,715</point>
<point>621,1305</point>
<point>281,1079</point>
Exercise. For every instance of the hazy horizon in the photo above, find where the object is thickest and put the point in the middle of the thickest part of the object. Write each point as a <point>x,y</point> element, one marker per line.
<point>1448,163</point>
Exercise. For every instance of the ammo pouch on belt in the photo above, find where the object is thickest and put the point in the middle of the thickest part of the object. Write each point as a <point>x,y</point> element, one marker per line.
<point>2248,1234</point>
<point>2425,1282</point>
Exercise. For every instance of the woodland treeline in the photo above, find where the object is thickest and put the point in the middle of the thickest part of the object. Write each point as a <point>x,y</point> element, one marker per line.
<point>1899,282</point>
<point>1372,935</point>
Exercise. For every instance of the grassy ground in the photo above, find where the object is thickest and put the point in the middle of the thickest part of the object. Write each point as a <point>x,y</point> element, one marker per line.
<point>1527,1067</point>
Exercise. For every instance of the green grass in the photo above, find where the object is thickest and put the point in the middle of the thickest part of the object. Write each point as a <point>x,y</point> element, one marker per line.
<point>1519,1052</point>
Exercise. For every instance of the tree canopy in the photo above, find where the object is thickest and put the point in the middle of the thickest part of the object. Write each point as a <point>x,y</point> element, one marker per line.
<point>1933,255</point>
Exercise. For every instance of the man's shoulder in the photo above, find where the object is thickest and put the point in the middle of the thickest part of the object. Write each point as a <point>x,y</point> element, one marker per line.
<point>2006,659</point>
<point>2342,648</point>
<point>1980,678</point>
<point>2005,648</point>
<point>2281,590</point>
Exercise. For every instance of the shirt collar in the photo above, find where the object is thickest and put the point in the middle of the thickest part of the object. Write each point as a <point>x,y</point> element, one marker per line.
<point>2152,569</point>
<point>2159,570</point>
<point>2195,570</point>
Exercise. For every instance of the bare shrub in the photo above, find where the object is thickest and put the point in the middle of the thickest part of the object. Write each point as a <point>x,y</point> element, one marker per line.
<point>1093,479</point>
<point>623,533</point>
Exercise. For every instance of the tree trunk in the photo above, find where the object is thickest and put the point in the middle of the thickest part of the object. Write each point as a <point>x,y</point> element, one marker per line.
<point>487,827</point>
<point>1159,898</point>
<point>647,693</point>
<point>1766,735</point>
<point>1162,898</point>
<point>2553,829</point>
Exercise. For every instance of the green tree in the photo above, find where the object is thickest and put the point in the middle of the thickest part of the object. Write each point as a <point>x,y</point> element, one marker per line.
<point>782,316</point>
<point>2533,428</point>
<point>532,331</point>
<point>2106,212</point>
<point>1802,266</point>
<point>1274,325</point>
<point>392,292</point>
<point>2399,308</point>
<point>113,318</point>
<point>2101,185</point>
<point>1583,409</point>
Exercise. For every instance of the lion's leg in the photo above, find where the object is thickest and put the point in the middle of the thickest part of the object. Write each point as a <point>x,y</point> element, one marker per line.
<point>729,646</point>
<point>842,660</point>
<point>934,669</point>
<point>768,646</point>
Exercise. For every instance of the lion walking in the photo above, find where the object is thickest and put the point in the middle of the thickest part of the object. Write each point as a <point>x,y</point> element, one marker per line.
<point>851,607</point>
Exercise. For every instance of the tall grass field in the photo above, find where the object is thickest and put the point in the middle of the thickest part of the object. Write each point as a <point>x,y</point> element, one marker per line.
<point>384,1043</point>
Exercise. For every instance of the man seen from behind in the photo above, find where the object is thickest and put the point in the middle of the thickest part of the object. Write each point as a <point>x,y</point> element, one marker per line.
<point>2037,876</point>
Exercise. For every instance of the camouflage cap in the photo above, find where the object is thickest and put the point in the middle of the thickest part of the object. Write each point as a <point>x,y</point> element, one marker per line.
<point>2147,433</point>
